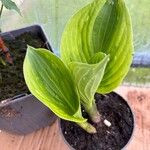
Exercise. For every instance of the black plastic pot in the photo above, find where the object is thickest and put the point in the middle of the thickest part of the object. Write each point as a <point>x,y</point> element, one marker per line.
<point>70,129</point>
<point>24,114</point>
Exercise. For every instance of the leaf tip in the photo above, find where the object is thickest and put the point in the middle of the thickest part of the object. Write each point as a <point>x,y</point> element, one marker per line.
<point>30,49</point>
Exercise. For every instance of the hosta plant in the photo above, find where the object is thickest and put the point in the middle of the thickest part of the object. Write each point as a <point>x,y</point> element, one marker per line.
<point>96,53</point>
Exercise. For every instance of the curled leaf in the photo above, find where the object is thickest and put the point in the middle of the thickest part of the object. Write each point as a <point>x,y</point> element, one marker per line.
<point>102,26</point>
<point>88,77</point>
<point>112,34</point>
<point>76,43</point>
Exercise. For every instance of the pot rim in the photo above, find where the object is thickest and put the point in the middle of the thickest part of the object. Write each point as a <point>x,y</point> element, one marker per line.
<point>61,133</point>
<point>131,138</point>
<point>23,28</point>
<point>14,99</point>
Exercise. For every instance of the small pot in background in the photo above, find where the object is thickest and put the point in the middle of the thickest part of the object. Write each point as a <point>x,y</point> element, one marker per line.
<point>23,113</point>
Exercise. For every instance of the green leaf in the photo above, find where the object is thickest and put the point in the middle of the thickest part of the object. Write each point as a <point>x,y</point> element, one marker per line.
<point>10,5</point>
<point>49,80</point>
<point>88,77</point>
<point>112,34</point>
<point>76,43</point>
<point>102,26</point>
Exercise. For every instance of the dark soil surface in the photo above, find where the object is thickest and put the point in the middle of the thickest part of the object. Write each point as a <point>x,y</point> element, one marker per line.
<point>13,83</point>
<point>113,108</point>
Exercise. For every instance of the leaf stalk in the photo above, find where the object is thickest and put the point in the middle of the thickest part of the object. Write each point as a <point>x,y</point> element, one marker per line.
<point>88,127</point>
<point>93,112</point>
